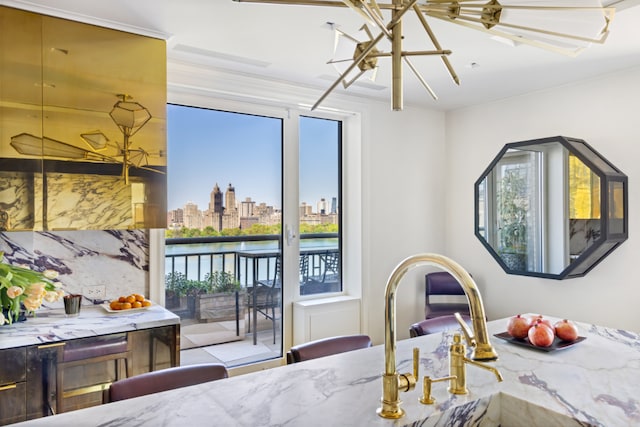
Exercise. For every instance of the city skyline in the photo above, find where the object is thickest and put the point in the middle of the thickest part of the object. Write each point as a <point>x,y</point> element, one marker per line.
<point>206,147</point>
<point>223,189</point>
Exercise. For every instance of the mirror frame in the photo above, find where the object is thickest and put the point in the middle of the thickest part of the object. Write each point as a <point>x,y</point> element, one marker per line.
<point>609,239</point>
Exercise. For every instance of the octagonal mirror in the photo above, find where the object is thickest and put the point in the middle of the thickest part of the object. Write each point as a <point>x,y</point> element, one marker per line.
<point>551,207</point>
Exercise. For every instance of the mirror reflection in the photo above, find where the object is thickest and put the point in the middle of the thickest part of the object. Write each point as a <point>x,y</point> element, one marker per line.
<point>539,208</point>
<point>82,126</point>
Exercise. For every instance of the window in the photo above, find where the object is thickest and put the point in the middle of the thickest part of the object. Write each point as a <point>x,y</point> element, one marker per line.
<point>227,184</point>
<point>319,182</point>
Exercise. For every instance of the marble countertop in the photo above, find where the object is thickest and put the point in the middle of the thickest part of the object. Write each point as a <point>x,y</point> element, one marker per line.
<point>594,382</point>
<point>52,325</point>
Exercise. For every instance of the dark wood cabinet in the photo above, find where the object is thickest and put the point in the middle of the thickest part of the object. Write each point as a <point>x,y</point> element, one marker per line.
<point>28,375</point>
<point>13,385</point>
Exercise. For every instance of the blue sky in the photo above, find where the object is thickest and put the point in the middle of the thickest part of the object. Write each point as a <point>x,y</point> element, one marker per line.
<point>206,147</point>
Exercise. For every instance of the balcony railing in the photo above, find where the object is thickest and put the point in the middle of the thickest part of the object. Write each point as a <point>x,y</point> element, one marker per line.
<point>249,256</point>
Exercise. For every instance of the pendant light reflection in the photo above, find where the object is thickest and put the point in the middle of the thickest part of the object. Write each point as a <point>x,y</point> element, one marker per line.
<point>130,117</point>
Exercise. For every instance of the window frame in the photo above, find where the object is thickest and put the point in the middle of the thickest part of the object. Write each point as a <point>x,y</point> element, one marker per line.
<point>350,194</point>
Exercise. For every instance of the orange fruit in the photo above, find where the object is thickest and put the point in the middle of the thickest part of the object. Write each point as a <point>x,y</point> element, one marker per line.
<point>115,305</point>
<point>139,297</point>
<point>131,299</point>
<point>146,303</point>
<point>125,306</point>
<point>122,299</point>
<point>136,304</point>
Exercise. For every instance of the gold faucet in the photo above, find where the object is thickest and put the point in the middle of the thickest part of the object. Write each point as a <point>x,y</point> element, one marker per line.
<point>392,381</point>
<point>458,368</point>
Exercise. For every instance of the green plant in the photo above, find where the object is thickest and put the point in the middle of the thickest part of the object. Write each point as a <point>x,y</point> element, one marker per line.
<point>175,283</point>
<point>512,211</point>
<point>222,281</point>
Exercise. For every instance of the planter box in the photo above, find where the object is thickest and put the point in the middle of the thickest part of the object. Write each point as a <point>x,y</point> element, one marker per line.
<point>220,307</point>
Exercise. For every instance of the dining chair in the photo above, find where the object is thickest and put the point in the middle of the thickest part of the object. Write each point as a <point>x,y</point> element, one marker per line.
<point>444,295</point>
<point>166,379</point>
<point>437,324</point>
<point>326,347</point>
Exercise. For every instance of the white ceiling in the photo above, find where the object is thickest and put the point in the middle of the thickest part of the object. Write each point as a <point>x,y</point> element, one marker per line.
<point>293,43</point>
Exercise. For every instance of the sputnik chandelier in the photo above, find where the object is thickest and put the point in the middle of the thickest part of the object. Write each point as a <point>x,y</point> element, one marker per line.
<point>562,26</point>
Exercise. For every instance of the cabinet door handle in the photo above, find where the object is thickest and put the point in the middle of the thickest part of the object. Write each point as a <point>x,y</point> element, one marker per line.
<point>57,344</point>
<point>8,386</point>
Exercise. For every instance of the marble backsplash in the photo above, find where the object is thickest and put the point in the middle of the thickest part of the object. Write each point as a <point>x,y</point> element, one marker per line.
<point>115,259</point>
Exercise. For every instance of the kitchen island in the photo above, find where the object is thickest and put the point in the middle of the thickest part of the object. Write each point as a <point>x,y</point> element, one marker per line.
<point>593,382</point>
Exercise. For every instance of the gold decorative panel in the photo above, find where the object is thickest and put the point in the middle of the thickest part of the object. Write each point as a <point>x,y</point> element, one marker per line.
<point>64,161</point>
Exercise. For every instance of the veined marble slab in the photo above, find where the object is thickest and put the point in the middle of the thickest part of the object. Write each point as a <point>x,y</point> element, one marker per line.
<point>115,259</point>
<point>594,383</point>
<point>53,325</point>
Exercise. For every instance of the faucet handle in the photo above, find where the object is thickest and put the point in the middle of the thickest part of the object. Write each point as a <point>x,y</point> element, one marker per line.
<point>468,336</point>
<point>427,398</point>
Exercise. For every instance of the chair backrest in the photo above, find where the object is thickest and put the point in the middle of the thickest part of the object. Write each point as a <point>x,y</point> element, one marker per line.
<point>166,379</point>
<point>449,295</point>
<point>437,324</point>
<point>327,347</point>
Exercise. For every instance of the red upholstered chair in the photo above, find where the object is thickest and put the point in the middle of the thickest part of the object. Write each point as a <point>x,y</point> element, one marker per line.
<point>327,347</point>
<point>166,379</point>
<point>444,296</point>
<point>437,324</point>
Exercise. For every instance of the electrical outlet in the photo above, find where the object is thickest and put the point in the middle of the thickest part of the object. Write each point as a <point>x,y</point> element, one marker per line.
<point>95,292</point>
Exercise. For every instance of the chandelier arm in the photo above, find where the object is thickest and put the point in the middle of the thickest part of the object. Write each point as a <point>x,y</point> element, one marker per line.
<point>519,27</point>
<point>436,44</point>
<point>397,18</point>
<point>493,31</point>
<point>441,52</point>
<point>377,20</point>
<point>374,3</point>
<point>353,6</point>
<point>354,64</point>
<point>353,39</point>
<point>549,8</point>
<point>346,83</point>
<point>314,3</point>
<point>422,80</point>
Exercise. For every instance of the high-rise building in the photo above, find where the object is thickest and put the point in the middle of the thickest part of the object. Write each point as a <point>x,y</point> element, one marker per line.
<point>192,216</point>
<point>334,205</point>
<point>215,204</point>
<point>323,207</point>
<point>247,208</point>
<point>230,218</point>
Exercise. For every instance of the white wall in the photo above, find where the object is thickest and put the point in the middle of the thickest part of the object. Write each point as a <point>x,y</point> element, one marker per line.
<point>605,113</point>
<point>403,200</point>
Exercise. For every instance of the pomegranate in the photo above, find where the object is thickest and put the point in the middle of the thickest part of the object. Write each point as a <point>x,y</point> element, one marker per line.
<point>518,326</point>
<point>540,335</point>
<point>566,330</point>
<point>540,319</point>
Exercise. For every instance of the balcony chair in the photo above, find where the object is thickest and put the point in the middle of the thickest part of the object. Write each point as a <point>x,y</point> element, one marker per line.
<point>444,296</point>
<point>327,347</point>
<point>437,324</point>
<point>166,379</point>
<point>87,351</point>
<point>265,296</point>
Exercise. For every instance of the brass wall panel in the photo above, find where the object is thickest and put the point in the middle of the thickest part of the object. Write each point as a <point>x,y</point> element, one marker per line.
<point>60,79</point>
